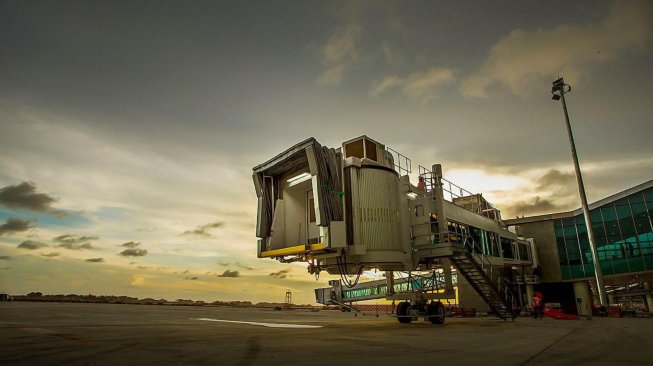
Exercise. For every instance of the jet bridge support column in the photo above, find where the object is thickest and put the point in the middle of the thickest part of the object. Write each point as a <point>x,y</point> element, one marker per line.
<point>649,297</point>
<point>446,268</point>
<point>390,281</point>
<point>583,298</point>
<point>529,294</point>
<point>436,172</point>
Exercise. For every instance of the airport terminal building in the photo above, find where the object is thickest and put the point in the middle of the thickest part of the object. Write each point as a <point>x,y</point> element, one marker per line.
<point>623,230</point>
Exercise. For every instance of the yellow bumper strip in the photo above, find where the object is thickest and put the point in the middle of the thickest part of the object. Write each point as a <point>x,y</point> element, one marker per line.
<point>298,249</point>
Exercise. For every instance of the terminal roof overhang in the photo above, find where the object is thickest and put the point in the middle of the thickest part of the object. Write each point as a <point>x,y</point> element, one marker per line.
<point>578,211</point>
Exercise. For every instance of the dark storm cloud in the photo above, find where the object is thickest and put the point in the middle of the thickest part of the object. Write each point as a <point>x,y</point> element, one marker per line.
<point>556,178</point>
<point>94,260</point>
<point>131,244</point>
<point>73,242</point>
<point>203,230</point>
<point>280,274</point>
<point>228,273</point>
<point>134,67</point>
<point>142,74</point>
<point>31,245</point>
<point>24,196</point>
<point>5,257</point>
<point>50,255</point>
<point>191,278</point>
<point>134,252</point>
<point>537,205</point>
<point>14,225</point>
<point>557,186</point>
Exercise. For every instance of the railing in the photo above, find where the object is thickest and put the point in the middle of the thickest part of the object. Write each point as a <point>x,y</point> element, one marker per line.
<point>503,285</point>
<point>467,241</point>
<point>433,282</point>
<point>509,297</point>
<point>427,176</point>
<point>402,164</point>
<point>528,279</point>
<point>452,192</point>
<point>473,247</point>
<point>450,189</point>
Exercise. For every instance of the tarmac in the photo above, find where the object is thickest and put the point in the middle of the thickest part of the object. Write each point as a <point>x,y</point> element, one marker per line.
<point>105,334</point>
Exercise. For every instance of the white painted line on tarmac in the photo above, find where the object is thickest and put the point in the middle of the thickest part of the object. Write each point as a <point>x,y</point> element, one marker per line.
<point>269,325</point>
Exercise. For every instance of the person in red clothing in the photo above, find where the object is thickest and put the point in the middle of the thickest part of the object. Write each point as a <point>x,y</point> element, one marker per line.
<point>538,305</point>
<point>421,184</point>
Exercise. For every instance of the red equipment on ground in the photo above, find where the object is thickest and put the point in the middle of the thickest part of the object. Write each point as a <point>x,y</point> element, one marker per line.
<point>557,314</point>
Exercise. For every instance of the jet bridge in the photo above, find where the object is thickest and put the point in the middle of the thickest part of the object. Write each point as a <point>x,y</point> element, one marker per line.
<point>338,294</point>
<point>354,208</point>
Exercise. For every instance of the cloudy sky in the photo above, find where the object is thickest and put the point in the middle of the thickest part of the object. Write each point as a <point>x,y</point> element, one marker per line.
<point>128,130</point>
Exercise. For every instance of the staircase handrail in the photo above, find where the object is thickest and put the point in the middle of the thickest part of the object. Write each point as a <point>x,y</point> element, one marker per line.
<point>508,296</point>
<point>503,289</point>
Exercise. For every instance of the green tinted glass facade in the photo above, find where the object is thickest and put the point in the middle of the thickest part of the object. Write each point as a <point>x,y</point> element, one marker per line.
<point>624,238</point>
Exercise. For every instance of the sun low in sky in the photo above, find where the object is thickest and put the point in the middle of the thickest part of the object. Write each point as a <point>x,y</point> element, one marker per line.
<point>128,130</point>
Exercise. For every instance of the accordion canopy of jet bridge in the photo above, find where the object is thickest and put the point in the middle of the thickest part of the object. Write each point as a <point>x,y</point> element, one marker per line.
<point>305,160</point>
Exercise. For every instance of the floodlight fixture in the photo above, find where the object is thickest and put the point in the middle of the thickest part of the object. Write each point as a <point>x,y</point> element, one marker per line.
<point>559,81</point>
<point>559,88</point>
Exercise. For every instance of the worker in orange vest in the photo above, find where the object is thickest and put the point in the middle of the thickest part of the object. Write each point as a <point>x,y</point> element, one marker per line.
<point>538,306</point>
<point>421,184</point>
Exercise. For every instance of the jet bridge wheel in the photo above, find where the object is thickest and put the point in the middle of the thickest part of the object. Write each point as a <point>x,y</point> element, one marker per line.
<point>403,312</point>
<point>435,312</point>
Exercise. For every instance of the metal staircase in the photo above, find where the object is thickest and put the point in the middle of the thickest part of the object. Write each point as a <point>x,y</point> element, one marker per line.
<point>498,296</point>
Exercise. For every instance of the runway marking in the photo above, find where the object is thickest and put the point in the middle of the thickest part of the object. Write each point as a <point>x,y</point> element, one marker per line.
<point>269,325</point>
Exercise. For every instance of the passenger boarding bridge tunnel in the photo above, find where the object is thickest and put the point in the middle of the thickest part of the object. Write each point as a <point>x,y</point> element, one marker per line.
<point>354,208</point>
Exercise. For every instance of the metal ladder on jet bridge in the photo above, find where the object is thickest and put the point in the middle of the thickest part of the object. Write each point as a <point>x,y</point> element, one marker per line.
<point>500,301</point>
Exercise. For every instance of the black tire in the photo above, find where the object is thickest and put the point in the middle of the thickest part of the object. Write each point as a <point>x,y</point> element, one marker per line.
<point>403,312</point>
<point>435,312</point>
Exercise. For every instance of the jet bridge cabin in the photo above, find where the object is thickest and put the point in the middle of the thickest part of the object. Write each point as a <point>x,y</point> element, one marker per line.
<point>334,208</point>
<point>353,208</point>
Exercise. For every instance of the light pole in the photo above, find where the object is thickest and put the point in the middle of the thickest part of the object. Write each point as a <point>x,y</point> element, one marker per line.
<point>558,90</point>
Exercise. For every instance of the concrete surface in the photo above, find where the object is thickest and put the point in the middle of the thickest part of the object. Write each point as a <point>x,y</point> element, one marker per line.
<point>58,334</point>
